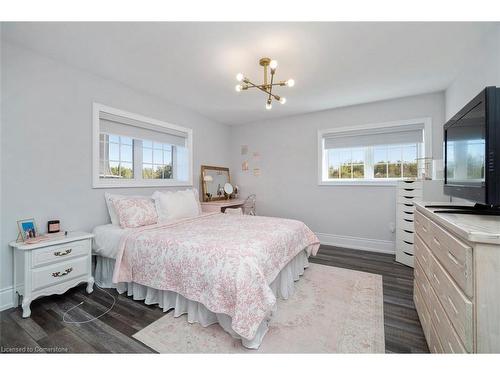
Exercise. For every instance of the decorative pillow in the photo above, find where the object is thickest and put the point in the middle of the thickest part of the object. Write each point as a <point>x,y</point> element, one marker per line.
<point>135,212</point>
<point>111,207</point>
<point>172,205</point>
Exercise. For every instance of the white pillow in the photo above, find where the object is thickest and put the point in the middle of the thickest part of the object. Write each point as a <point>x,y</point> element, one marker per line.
<point>172,205</point>
<point>111,207</point>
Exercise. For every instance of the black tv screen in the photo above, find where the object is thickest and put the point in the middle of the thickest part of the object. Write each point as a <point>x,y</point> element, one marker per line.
<point>465,149</point>
<point>470,148</point>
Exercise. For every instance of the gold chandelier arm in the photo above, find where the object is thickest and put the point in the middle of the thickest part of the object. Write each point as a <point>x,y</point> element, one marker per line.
<point>260,87</point>
<point>271,86</point>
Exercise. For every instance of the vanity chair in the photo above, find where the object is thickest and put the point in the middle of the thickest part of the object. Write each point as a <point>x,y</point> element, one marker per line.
<point>249,205</point>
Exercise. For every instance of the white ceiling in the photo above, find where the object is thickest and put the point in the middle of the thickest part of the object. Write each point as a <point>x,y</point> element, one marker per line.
<point>194,64</point>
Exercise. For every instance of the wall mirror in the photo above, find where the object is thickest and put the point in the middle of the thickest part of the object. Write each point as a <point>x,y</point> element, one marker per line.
<point>213,180</point>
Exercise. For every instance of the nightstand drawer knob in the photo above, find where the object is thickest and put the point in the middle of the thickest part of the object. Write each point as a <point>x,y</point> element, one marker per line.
<point>62,253</point>
<point>59,274</point>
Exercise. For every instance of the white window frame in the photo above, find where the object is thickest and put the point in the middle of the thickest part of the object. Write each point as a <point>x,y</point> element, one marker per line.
<point>137,181</point>
<point>425,150</point>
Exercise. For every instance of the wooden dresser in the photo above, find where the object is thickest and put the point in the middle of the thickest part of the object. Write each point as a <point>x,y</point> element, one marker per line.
<point>457,281</point>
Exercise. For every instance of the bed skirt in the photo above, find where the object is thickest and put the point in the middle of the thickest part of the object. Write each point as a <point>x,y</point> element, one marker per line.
<point>282,287</point>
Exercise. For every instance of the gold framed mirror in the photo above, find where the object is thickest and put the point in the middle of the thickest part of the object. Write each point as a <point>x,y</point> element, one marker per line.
<point>213,180</point>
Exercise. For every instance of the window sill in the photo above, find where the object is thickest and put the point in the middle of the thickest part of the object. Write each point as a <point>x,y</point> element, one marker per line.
<point>137,184</point>
<point>359,183</point>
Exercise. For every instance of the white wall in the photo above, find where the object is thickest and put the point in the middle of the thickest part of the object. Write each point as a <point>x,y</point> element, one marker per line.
<point>46,144</point>
<point>288,186</point>
<point>481,69</point>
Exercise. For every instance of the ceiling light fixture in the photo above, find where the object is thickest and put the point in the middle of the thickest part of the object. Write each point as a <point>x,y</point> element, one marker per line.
<point>268,85</point>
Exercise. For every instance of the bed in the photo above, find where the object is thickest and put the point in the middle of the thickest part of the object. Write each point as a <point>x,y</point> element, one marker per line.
<point>216,268</point>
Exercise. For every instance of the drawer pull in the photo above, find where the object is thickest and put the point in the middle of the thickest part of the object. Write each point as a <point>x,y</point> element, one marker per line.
<point>62,253</point>
<point>451,348</point>
<point>410,255</point>
<point>407,197</point>
<point>409,243</point>
<point>452,305</point>
<point>408,220</point>
<point>453,258</point>
<point>408,204</point>
<point>408,231</point>
<point>408,212</point>
<point>436,315</point>
<point>409,189</point>
<point>59,274</point>
<point>424,288</point>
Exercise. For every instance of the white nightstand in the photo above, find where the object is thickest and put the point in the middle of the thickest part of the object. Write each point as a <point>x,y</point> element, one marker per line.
<point>52,267</point>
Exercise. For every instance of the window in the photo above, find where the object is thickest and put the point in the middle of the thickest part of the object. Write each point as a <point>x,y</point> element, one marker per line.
<point>156,160</point>
<point>372,154</point>
<point>132,150</point>
<point>116,156</point>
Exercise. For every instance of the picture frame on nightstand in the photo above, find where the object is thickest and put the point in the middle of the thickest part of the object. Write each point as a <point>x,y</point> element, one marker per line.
<point>27,229</point>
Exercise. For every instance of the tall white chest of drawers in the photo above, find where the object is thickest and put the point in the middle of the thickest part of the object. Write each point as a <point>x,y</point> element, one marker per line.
<point>457,281</point>
<point>408,193</point>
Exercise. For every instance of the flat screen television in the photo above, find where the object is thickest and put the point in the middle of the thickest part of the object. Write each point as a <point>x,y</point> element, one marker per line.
<point>472,151</point>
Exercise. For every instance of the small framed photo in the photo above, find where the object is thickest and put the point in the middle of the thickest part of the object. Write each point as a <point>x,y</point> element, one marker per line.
<point>27,229</point>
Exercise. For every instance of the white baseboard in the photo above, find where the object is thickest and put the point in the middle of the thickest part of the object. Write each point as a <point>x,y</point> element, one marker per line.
<point>358,243</point>
<point>6,299</point>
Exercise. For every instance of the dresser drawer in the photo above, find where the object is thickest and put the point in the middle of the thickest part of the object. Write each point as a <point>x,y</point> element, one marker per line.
<point>457,306</point>
<point>423,256</point>
<point>408,227</point>
<point>406,236</point>
<point>58,253</point>
<point>406,208</point>
<point>410,192</point>
<point>454,255</point>
<point>406,215</point>
<point>408,198</point>
<point>423,227</point>
<point>423,312</point>
<point>59,272</point>
<point>405,247</point>
<point>415,184</point>
<point>447,336</point>
<point>422,281</point>
<point>406,258</point>
<point>433,342</point>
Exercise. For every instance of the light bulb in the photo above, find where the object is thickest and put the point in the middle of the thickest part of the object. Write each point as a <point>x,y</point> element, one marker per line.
<point>273,64</point>
<point>238,88</point>
<point>290,82</point>
<point>269,106</point>
<point>239,77</point>
<point>282,100</point>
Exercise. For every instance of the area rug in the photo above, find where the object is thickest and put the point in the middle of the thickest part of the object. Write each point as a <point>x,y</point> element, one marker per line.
<point>333,310</point>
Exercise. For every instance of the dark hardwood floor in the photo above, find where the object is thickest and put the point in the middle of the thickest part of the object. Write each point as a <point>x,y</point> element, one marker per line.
<point>403,332</point>
<point>45,331</point>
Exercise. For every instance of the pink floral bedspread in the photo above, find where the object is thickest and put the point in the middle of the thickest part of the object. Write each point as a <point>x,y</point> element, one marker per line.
<point>225,262</point>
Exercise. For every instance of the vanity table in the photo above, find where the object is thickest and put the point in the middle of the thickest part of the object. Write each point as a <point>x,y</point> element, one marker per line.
<point>221,205</point>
